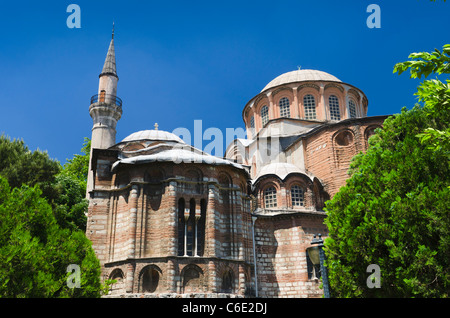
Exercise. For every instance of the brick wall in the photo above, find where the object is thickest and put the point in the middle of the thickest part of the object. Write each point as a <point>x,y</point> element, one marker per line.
<point>281,254</point>
<point>327,159</point>
<point>133,221</point>
<point>133,224</point>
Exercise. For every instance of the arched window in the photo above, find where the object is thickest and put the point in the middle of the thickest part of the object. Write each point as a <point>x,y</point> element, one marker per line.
<point>344,138</point>
<point>370,131</point>
<point>228,244</point>
<point>264,115</point>
<point>252,125</point>
<point>333,103</point>
<point>190,230</point>
<point>285,110</point>
<point>192,279</point>
<point>297,196</point>
<point>150,280</point>
<point>352,108</point>
<point>193,182</point>
<point>119,285</point>
<point>181,226</point>
<point>309,103</point>
<point>200,235</point>
<point>270,197</point>
<point>227,282</point>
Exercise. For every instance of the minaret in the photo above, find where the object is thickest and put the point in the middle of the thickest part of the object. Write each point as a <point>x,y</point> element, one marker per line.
<point>106,108</point>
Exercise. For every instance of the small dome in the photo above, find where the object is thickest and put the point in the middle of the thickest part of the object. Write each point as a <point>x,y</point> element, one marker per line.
<point>178,156</point>
<point>301,76</point>
<point>153,135</point>
<point>280,169</point>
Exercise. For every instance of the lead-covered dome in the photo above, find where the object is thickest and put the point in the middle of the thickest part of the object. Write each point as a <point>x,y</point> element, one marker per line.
<point>280,169</point>
<point>301,76</point>
<point>157,135</point>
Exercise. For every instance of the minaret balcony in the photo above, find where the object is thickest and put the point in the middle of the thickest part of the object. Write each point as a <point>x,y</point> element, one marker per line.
<point>106,99</point>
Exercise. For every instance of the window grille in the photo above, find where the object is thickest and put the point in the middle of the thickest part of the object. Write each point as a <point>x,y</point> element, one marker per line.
<point>285,108</point>
<point>309,103</point>
<point>297,196</point>
<point>270,197</point>
<point>264,115</point>
<point>334,108</point>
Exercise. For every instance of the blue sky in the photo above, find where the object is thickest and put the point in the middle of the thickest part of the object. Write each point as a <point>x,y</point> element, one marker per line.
<point>200,59</point>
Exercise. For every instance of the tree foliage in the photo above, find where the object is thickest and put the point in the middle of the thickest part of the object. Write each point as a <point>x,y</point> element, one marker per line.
<point>42,224</point>
<point>78,166</point>
<point>434,94</point>
<point>393,210</point>
<point>71,204</point>
<point>64,187</point>
<point>20,166</point>
<point>35,251</point>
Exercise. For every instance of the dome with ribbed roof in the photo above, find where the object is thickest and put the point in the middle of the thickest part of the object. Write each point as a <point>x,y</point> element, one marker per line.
<point>280,169</point>
<point>155,134</point>
<point>301,76</point>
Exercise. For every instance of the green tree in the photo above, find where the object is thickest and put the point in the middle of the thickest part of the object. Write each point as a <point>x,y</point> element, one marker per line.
<point>64,187</point>
<point>20,166</point>
<point>434,94</point>
<point>35,251</point>
<point>78,166</point>
<point>393,210</point>
<point>70,183</point>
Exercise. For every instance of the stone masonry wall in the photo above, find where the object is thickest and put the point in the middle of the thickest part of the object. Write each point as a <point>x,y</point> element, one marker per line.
<point>133,225</point>
<point>281,255</point>
<point>328,158</point>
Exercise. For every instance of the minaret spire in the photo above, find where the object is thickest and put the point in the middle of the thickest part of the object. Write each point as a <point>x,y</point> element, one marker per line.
<point>109,68</point>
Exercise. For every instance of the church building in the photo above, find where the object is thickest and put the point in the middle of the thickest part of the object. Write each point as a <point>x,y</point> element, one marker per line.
<point>169,220</point>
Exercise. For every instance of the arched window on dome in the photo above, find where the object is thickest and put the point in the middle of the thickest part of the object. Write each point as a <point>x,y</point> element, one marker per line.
<point>270,198</point>
<point>309,102</point>
<point>297,196</point>
<point>252,125</point>
<point>333,103</point>
<point>264,115</point>
<point>352,108</point>
<point>285,110</point>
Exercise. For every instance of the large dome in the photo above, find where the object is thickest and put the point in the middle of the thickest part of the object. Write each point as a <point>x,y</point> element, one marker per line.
<point>153,135</point>
<point>301,76</point>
